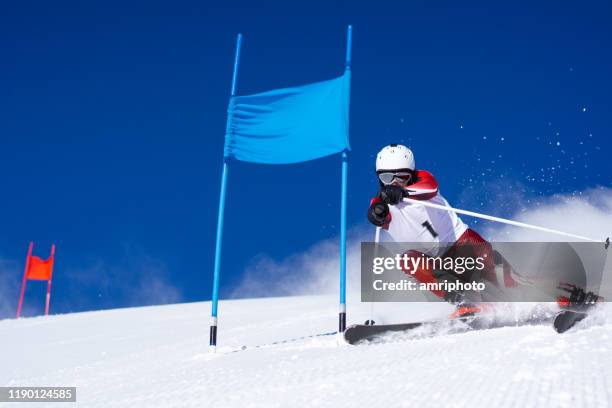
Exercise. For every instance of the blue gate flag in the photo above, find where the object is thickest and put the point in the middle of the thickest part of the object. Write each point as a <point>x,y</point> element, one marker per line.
<point>290,125</point>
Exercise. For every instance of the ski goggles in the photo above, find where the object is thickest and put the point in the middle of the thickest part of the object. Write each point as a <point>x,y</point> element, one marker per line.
<point>389,177</point>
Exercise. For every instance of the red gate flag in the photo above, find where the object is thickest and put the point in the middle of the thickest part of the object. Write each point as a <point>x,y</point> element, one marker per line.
<point>37,268</point>
<point>40,269</point>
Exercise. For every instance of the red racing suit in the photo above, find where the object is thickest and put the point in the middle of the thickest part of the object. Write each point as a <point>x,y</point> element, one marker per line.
<point>460,241</point>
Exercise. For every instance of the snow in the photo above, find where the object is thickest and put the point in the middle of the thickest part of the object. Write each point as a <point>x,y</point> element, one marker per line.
<point>158,357</point>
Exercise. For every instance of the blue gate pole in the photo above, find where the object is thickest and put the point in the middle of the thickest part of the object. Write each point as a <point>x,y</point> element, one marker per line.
<point>342,316</point>
<point>217,268</point>
<point>342,312</point>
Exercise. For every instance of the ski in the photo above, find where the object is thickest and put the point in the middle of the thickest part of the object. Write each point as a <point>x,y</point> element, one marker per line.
<point>361,332</point>
<point>358,332</point>
<point>566,319</point>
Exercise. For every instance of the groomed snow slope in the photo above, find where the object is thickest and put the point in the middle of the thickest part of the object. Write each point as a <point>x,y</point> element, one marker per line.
<point>158,357</point>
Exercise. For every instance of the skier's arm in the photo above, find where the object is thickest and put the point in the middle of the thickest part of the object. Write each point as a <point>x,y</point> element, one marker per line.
<point>378,213</point>
<point>424,188</point>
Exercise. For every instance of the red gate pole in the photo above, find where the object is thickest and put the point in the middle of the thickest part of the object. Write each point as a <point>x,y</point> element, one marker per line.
<point>48,298</point>
<point>23,282</point>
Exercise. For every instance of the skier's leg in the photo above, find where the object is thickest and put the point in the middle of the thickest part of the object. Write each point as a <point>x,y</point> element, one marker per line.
<point>424,274</point>
<point>471,245</point>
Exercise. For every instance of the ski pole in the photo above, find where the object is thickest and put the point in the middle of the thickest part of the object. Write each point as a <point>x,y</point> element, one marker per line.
<point>376,242</point>
<point>504,221</point>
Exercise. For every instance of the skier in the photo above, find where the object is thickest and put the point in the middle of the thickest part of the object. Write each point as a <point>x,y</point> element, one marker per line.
<point>443,232</point>
<point>411,222</point>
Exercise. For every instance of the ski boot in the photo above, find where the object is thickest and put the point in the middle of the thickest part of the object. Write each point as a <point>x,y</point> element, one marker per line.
<point>465,310</point>
<point>573,308</point>
<point>464,307</point>
<point>578,300</point>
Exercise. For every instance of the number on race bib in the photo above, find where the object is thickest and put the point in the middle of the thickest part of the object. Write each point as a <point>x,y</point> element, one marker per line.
<point>431,230</point>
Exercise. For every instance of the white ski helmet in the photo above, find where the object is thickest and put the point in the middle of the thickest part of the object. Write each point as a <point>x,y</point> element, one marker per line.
<point>395,157</point>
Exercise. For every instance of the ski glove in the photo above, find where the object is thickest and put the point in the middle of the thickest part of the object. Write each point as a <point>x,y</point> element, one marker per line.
<point>377,213</point>
<point>392,195</point>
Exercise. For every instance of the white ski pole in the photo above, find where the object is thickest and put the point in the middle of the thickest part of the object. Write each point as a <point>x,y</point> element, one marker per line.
<point>504,221</point>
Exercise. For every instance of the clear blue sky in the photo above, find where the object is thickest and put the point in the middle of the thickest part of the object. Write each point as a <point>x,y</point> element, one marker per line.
<point>112,117</point>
